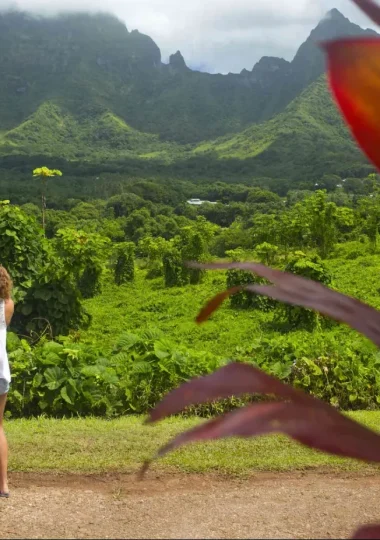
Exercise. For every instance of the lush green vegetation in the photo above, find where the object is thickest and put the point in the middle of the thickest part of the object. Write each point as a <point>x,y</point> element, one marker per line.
<point>73,69</point>
<point>54,131</point>
<point>105,304</point>
<point>104,322</point>
<point>308,137</point>
<point>305,141</point>
<point>92,445</point>
<point>85,90</point>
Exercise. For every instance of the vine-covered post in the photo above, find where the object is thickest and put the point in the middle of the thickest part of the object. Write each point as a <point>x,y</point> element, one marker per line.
<point>124,269</point>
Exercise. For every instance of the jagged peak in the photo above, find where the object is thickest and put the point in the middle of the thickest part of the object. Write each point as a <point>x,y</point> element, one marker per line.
<point>334,14</point>
<point>335,19</point>
<point>269,63</point>
<point>333,25</point>
<point>177,61</point>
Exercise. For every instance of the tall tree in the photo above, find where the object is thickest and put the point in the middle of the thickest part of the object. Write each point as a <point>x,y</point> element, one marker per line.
<point>43,173</point>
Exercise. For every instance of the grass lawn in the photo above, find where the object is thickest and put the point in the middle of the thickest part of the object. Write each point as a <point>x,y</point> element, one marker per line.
<point>93,445</point>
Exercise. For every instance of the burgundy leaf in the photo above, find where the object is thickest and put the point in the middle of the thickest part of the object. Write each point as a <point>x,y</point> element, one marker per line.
<point>214,303</point>
<point>233,379</point>
<point>367,532</point>
<point>322,428</point>
<point>370,8</point>
<point>310,294</point>
<point>271,274</point>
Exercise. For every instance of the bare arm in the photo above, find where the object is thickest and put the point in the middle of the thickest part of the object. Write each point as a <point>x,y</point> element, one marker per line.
<point>9,310</point>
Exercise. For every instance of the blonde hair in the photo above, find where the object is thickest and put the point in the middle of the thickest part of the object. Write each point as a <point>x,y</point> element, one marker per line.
<point>5,284</point>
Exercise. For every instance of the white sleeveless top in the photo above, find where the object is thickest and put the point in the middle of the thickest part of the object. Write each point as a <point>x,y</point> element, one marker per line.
<point>4,364</point>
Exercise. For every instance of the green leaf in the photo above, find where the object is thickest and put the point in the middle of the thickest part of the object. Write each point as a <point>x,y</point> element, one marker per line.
<point>142,367</point>
<point>160,350</point>
<point>16,394</point>
<point>52,346</point>
<point>65,395</point>
<point>43,294</point>
<point>51,359</point>
<point>74,385</point>
<point>26,309</point>
<point>37,380</point>
<point>43,405</point>
<point>280,370</point>
<point>91,371</point>
<point>313,366</point>
<point>55,377</point>
<point>127,341</point>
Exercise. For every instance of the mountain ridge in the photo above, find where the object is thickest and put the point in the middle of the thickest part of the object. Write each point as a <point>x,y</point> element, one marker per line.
<point>333,16</point>
<point>85,87</point>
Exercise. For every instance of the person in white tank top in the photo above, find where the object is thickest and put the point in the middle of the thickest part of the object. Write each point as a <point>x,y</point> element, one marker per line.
<point>6,312</point>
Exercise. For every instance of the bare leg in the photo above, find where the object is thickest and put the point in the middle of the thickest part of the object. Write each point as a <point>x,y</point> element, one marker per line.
<point>3,448</point>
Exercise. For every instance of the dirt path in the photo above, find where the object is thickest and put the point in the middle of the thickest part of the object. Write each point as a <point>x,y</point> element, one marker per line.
<point>117,506</point>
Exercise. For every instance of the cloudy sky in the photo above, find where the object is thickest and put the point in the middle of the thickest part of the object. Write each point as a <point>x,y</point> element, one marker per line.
<point>213,35</point>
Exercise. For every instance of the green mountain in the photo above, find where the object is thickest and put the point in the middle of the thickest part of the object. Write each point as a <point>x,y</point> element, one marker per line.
<point>309,62</point>
<point>307,139</point>
<point>54,130</point>
<point>84,88</point>
<point>90,64</point>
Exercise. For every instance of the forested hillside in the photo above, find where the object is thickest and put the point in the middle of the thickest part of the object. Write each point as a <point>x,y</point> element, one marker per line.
<point>87,90</point>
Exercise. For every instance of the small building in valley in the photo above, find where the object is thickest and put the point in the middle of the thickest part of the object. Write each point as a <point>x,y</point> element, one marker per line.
<point>199,202</point>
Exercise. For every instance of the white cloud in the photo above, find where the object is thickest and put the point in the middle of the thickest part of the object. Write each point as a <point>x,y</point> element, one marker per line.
<point>217,35</point>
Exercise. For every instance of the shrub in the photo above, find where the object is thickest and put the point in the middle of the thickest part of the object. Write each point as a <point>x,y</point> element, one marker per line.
<point>124,263</point>
<point>237,278</point>
<point>45,295</point>
<point>311,267</point>
<point>331,366</point>
<point>53,300</point>
<point>244,299</point>
<point>83,255</point>
<point>175,274</point>
<point>22,247</point>
<point>63,378</point>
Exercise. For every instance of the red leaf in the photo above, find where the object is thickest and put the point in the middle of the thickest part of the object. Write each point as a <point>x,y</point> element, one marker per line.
<point>304,418</point>
<point>214,303</point>
<point>370,8</point>
<point>367,532</point>
<point>233,379</point>
<point>340,307</point>
<point>354,74</point>
<point>322,428</point>
<point>310,294</point>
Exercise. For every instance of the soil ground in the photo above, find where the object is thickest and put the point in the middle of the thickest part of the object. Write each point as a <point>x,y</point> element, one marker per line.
<point>281,505</point>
